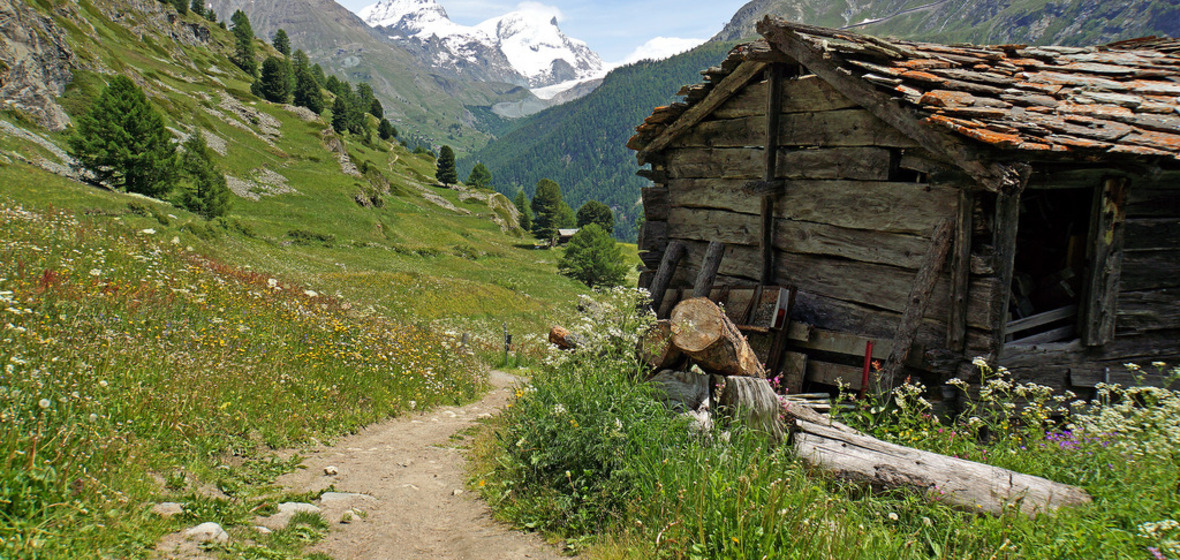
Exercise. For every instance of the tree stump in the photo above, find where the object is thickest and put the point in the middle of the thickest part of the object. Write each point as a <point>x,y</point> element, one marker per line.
<point>753,403</point>
<point>702,331</point>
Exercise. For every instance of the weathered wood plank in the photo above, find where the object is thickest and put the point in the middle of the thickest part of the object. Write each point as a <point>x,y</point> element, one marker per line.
<point>1148,311</point>
<point>1150,202</point>
<point>718,96</point>
<point>1004,242</point>
<point>858,163</point>
<point>961,272</point>
<point>655,203</point>
<point>1105,252</point>
<point>879,286</point>
<point>1150,270</point>
<point>802,94</point>
<point>848,127</point>
<point>774,78</point>
<point>1085,366</point>
<point>919,299</point>
<point>908,122</point>
<point>910,208</point>
<point>1157,233</point>
<point>834,374</point>
<point>653,236</point>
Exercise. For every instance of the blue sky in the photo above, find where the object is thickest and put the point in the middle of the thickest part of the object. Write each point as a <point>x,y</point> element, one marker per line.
<point>613,28</point>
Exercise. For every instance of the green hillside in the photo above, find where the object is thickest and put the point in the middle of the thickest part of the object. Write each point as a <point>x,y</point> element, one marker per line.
<point>582,144</point>
<point>150,355</point>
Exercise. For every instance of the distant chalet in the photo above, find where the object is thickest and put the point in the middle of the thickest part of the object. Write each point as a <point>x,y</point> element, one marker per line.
<point>946,202</point>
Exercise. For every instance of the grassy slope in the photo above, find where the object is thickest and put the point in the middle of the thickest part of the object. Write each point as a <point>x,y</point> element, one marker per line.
<point>142,343</point>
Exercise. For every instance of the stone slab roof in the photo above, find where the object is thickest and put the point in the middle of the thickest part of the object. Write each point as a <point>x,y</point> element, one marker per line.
<point>1121,98</point>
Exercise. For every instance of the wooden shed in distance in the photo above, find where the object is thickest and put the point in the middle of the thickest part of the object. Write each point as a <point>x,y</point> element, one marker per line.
<point>945,202</point>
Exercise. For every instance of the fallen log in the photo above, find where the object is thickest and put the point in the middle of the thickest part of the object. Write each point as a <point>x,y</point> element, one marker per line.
<point>754,403</point>
<point>966,484</point>
<point>656,348</point>
<point>702,331</point>
<point>564,339</point>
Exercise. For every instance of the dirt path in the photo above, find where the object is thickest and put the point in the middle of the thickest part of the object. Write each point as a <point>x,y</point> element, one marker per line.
<point>411,479</point>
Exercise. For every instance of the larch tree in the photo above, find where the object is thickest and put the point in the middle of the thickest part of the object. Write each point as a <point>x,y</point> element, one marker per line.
<point>526,214</point>
<point>124,142</point>
<point>206,193</point>
<point>480,176</point>
<point>445,172</point>
<point>275,81</point>
<point>243,43</point>
<point>547,209</point>
<point>282,42</point>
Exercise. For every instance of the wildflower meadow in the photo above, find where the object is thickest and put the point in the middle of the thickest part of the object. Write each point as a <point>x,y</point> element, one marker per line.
<point>131,363</point>
<point>587,455</point>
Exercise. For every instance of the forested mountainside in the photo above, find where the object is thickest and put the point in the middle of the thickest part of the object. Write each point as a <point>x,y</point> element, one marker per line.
<point>582,144</point>
<point>1041,22</point>
<point>424,103</point>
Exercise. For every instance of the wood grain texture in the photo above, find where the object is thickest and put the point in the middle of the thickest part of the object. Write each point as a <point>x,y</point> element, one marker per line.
<point>847,127</point>
<point>861,163</point>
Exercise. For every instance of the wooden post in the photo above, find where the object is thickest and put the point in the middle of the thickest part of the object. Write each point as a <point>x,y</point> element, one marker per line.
<point>774,103</point>
<point>918,300</point>
<point>1007,223</point>
<point>659,285</point>
<point>956,335</point>
<point>708,273</point>
<point>1106,262</point>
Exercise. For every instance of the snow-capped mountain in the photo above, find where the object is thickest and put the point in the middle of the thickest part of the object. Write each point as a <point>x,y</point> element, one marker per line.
<point>523,47</point>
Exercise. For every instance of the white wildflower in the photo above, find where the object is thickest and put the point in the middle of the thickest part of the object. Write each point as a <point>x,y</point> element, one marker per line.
<point>148,231</point>
<point>43,403</point>
<point>96,272</point>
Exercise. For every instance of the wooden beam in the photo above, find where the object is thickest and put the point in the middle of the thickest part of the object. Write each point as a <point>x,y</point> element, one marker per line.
<point>765,188</point>
<point>720,94</point>
<point>956,334</point>
<point>1004,232</point>
<point>774,79</point>
<point>1106,261</point>
<point>989,175</point>
<point>918,301</point>
<point>659,285</point>
<point>708,272</point>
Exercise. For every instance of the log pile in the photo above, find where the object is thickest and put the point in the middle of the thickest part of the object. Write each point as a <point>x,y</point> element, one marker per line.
<point>699,332</point>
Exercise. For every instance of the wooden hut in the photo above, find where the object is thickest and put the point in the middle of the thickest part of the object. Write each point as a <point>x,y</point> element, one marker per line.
<point>945,202</point>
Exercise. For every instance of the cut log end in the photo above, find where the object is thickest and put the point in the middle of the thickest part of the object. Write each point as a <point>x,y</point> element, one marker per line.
<point>701,330</point>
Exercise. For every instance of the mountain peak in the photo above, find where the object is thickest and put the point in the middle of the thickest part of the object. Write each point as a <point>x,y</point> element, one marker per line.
<point>528,42</point>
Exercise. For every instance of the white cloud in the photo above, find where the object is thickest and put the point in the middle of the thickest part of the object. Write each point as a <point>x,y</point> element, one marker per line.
<point>660,48</point>
<point>540,9</point>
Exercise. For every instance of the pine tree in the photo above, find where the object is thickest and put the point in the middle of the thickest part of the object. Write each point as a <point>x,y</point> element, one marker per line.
<point>244,43</point>
<point>181,6</point>
<point>197,7</point>
<point>123,141</point>
<point>376,109</point>
<point>565,216</point>
<point>207,194</point>
<point>480,177</point>
<point>281,42</point>
<point>446,173</point>
<point>386,130</point>
<point>307,92</point>
<point>593,257</point>
<point>526,214</point>
<point>340,115</point>
<point>318,72</point>
<point>594,212</point>
<point>275,81</point>
<point>547,207</point>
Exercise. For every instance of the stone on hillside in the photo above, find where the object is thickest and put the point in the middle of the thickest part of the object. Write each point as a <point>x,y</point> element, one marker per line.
<point>36,64</point>
<point>291,508</point>
<point>207,532</point>
<point>331,471</point>
<point>168,509</point>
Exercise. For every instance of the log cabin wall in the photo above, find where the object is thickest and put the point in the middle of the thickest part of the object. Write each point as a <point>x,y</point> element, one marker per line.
<point>850,231</point>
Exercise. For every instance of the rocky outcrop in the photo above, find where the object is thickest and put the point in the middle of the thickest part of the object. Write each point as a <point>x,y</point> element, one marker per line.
<point>36,63</point>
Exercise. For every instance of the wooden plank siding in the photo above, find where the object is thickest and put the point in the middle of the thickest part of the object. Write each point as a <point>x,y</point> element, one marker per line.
<point>846,127</point>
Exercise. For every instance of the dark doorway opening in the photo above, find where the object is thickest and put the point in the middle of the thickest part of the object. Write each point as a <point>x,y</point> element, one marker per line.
<point>1048,282</point>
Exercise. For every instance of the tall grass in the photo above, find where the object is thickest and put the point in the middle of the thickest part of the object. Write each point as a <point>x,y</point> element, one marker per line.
<point>584,453</point>
<point>125,354</point>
